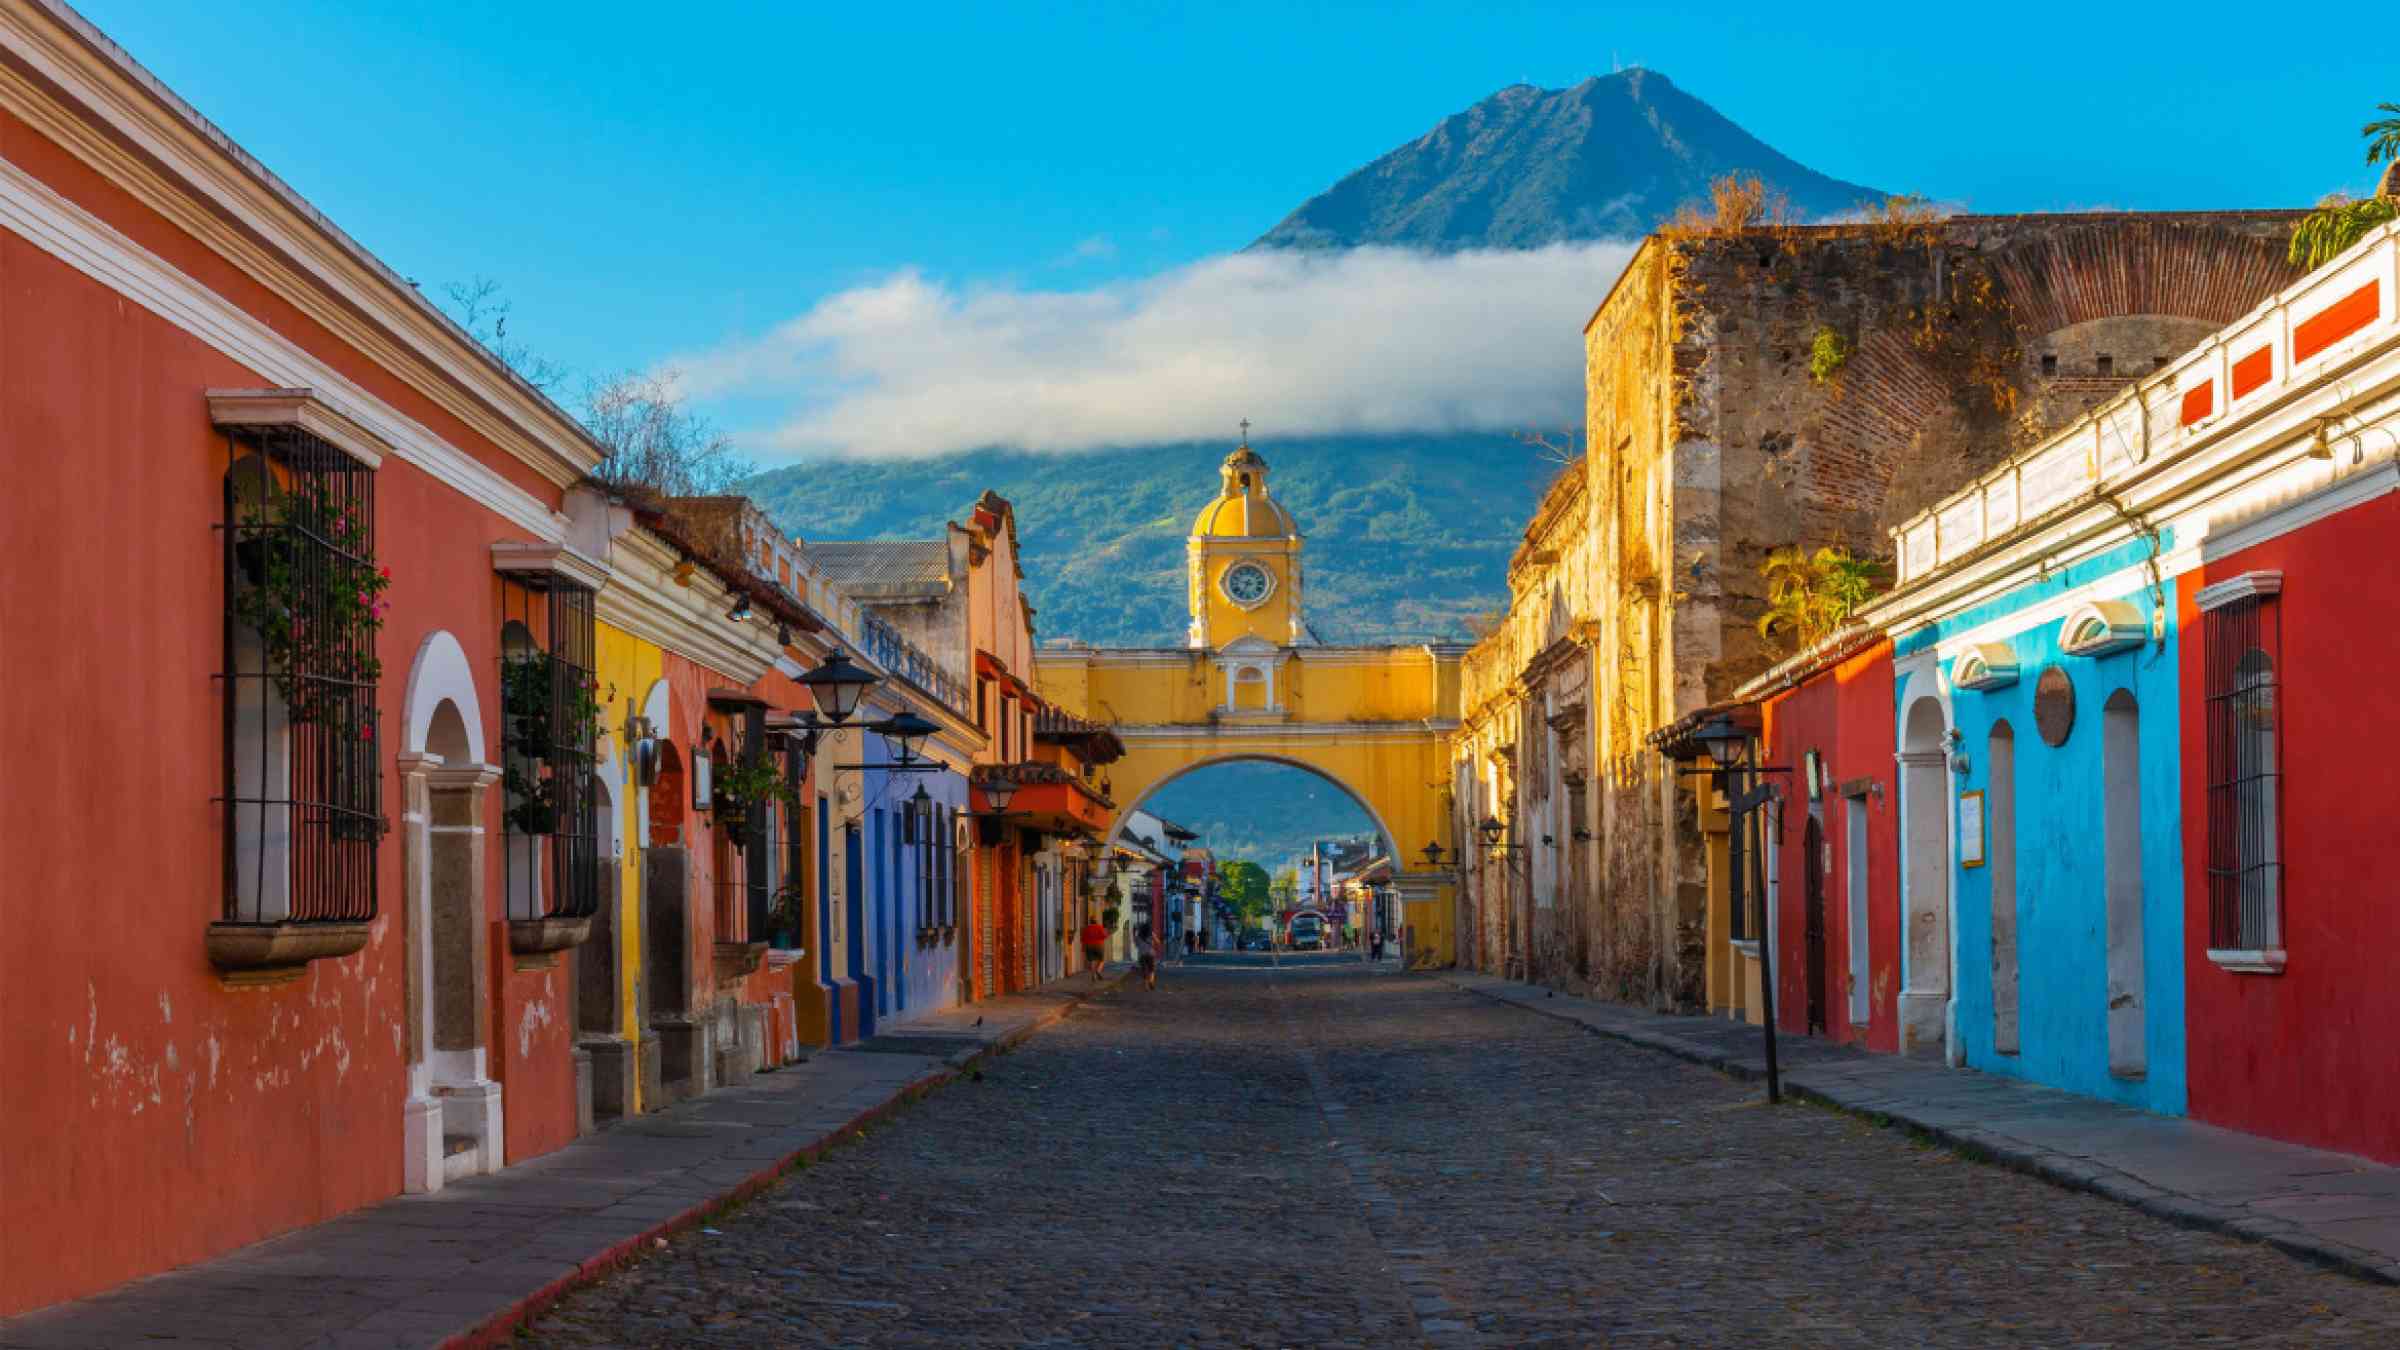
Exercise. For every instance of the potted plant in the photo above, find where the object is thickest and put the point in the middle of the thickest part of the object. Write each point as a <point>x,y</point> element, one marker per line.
<point>1109,917</point>
<point>550,719</point>
<point>787,916</point>
<point>751,780</point>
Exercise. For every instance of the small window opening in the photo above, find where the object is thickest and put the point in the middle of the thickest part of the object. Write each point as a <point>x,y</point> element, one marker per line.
<point>2049,363</point>
<point>2107,365</point>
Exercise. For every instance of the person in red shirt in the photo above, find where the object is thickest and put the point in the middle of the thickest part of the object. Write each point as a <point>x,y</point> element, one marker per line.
<point>1095,939</point>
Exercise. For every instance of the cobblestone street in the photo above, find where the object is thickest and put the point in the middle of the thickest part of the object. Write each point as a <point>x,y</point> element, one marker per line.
<point>1312,1155</point>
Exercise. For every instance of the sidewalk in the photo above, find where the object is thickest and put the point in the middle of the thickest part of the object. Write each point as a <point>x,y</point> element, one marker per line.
<point>467,1265</point>
<point>2332,1208</point>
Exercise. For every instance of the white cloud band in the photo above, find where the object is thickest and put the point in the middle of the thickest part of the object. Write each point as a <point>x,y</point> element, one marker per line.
<point>1370,340</point>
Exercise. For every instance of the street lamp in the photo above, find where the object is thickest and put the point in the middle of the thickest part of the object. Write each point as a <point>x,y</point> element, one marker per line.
<point>836,687</point>
<point>1726,743</point>
<point>1433,854</point>
<point>906,735</point>
<point>998,789</point>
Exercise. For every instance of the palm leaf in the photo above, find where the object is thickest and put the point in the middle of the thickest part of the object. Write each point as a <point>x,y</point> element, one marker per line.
<point>2383,134</point>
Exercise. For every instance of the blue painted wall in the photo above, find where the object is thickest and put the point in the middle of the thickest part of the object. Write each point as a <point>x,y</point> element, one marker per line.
<point>2060,867</point>
<point>908,979</point>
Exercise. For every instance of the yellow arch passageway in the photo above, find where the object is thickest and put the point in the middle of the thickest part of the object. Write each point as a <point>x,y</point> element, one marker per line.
<point>1251,684</point>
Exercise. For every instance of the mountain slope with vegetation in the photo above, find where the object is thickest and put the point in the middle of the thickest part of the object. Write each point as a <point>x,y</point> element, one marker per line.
<point>1408,537</point>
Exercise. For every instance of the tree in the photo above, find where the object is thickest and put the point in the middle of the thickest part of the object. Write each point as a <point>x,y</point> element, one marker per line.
<point>2341,220</point>
<point>483,312</point>
<point>655,444</point>
<point>1811,595</point>
<point>1244,888</point>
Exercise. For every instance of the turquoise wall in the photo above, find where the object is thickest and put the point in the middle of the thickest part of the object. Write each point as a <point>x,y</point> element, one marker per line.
<point>2060,863</point>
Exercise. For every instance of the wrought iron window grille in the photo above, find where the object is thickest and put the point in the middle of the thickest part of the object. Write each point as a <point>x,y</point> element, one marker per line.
<point>302,771</point>
<point>2242,644</point>
<point>551,721</point>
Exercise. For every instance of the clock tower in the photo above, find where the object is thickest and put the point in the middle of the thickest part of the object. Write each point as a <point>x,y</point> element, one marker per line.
<point>1244,563</point>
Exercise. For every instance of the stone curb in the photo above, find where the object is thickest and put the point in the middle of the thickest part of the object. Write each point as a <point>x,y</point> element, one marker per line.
<point>2058,1169</point>
<point>501,1328</point>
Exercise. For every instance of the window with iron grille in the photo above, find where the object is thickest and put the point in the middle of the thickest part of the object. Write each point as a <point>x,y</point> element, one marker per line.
<point>731,861</point>
<point>550,726</point>
<point>2241,638</point>
<point>302,772</point>
<point>791,899</point>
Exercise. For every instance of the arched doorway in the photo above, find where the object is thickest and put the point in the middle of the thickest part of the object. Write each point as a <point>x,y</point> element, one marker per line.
<point>451,1120</point>
<point>1925,876</point>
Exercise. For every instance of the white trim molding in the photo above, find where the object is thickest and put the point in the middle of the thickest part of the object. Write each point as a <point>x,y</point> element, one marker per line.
<point>294,410</point>
<point>2233,590</point>
<point>68,81</point>
<point>30,209</point>
<point>2269,961</point>
<point>1985,665</point>
<point>2098,627</point>
<point>514,557</point>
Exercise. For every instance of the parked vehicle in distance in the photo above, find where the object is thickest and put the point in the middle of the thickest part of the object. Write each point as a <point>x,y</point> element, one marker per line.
<point>1308,933</point>
<point>1254,940</point>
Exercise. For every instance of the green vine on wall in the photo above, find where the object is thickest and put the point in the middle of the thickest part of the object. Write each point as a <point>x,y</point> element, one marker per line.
<point>314,596</point>
<point>553,718</point>
<point>1827,355</point>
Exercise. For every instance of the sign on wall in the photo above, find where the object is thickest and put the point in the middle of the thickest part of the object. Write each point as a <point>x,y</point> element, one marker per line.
<point>1970,829</point>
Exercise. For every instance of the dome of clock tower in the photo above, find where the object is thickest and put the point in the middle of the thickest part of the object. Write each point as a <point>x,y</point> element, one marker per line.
<point>1243,509</point>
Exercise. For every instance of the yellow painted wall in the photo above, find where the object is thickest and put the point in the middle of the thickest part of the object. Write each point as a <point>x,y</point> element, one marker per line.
<point>627,667</point>
<point>1384,684</point>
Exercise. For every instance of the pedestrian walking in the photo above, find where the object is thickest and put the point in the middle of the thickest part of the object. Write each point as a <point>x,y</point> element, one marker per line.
<point>1095,943</point>
<point>1377,944</point>
<point>1146,943</point>
<point>1191,942</point>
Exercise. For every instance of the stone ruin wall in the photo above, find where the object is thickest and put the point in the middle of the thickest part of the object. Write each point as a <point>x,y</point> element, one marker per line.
<point>1712,445</point>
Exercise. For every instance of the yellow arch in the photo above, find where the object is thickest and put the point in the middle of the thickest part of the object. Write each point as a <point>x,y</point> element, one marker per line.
<point>1130,804</point>
<point>1374,721</point>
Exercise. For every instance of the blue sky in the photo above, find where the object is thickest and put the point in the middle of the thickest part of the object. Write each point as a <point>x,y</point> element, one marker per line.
<point>648,181</point>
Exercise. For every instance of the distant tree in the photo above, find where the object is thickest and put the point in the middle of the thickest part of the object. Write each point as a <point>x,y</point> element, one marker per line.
<point>655,443</point>
<point>2341,220</point>
<point>1811,595</point>
<point>1285,891</point>
<point>483,312</point>
<point>1736,202</point>
<point>1245,888</point>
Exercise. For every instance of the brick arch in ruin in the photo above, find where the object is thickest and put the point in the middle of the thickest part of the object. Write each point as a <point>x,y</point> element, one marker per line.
<point>1896,438</point>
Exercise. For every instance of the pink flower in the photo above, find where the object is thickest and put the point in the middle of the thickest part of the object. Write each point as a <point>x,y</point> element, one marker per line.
<point>366,733</point>
<point>384,572</point>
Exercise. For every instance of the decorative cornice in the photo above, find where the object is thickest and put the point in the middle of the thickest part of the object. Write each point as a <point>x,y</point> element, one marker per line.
<point>516,557</point>
<point>2248,586</point>
<point>32,210</point>
<point>294,410</point>
<point>65,78</point>
<point>643,599</point>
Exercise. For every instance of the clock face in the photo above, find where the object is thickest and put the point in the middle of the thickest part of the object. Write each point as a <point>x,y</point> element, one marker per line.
<point>1246,583</point>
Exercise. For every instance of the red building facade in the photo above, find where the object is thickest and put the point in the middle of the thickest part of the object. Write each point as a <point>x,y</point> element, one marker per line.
<point>2289,1038</point>
<point>1834,850</point>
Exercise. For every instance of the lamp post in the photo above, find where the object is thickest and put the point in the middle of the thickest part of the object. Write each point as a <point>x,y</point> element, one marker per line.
<point>836,686</point>
<point>1728,746</point>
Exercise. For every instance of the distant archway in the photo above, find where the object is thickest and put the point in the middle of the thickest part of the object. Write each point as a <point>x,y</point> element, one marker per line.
<point>1290,819</point>
<point>1163,786</point>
